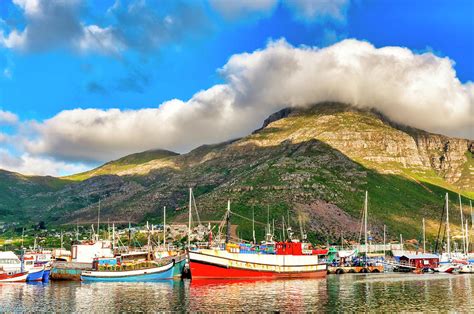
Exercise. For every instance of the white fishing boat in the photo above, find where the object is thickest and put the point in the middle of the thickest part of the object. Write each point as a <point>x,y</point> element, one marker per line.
<point>467,269</point>
<point>10,268</point>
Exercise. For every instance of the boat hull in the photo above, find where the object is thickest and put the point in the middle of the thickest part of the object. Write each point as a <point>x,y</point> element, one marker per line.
<point>20,277</point>
<point>149,274</point>
<point>224,265</point>
<point>68,271</point>
<point>35,275</point>
<point>46,274</point>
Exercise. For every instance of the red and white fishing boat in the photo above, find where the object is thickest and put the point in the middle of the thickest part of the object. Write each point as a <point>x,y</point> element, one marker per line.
<point>290,258</point>
<point>18,277</point>
<point>10,268</point>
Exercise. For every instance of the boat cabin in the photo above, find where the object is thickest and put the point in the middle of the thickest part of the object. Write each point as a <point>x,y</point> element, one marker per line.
<point>9,263</point>
<point>420,261</point>
<point>86,251</point>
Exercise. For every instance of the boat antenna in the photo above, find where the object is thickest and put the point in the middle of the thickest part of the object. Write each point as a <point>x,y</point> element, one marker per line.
<point>283,228</point>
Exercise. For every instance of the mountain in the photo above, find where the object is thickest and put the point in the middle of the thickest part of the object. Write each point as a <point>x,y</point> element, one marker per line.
<point>314,163</point>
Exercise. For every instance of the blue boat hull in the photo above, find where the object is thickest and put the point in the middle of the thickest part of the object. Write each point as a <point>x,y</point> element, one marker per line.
<point>46,274</point>
<point>35,276</point>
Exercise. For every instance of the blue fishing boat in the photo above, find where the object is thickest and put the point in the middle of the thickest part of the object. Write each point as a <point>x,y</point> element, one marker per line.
<point>47,271</point>
<point>134,272</point>
<point>35,274</point>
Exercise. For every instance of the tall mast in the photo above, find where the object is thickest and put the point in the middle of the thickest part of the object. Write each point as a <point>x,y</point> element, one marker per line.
<point>164,227</point>
<point>98,221</point>
<point>253,225</point>
<point>148,240</point>
<point>424,237</point>
<point>190,216</point>
<point>401,242</point>
<point>462,226</point>
<point>365,225</point>
<point>227,236</point>
<point>448,231</point>
<point>77,230</point>
<point>384,239</point>
<point>113,236</point>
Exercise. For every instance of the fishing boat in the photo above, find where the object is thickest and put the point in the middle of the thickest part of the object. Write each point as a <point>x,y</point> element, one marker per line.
<point>17,277</point>
<point>270,259</point>
<point>467,269</point>
<point>111,270</point>
<point>11,269</point>
<point>35,272</point>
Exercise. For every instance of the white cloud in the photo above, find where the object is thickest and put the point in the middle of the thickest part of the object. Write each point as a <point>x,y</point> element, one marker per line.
<point>136,24</point>
<point>420,90</point>
<point>7,118</point>
<point>99,40</point>
<point>31,165</point>
<point>233,9</point>
<point>319,9</point>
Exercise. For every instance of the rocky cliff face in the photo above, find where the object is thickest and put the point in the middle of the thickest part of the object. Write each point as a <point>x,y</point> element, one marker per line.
<point>314,163</point>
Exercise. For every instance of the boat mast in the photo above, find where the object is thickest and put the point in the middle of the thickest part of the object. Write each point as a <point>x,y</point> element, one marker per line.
<point>227,236</point>
<point>424,237</point>
<point>98,221</point>
<point>148,240</point>
<point>447,227</point>
<point>253,225</point>
<point>462,225</point>
<point>190,217</point>
<point>164,227</point>
<point>365,225</point>
<point>384,240</point>
<point>401,243</point>
<point>113,236</point>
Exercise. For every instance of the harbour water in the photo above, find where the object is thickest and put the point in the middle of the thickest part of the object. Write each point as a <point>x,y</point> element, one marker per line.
<point>350,292</point>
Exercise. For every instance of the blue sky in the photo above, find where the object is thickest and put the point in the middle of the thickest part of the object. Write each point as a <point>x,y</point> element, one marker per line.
<point>143,53</point>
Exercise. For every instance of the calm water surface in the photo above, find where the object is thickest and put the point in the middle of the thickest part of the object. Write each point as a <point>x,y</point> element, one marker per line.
<point>373,292</point>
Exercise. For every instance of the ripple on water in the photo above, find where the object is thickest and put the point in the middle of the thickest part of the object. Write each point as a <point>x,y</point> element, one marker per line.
<point>381,292</point>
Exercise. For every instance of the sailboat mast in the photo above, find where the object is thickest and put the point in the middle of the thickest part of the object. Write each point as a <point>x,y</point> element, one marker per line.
<point>384,239</point>
<point>98,221</point>
<point>462,225</point>
<point>365,225</point>
<point>401,242</point>
<point>190,216</point>
<point>253,225</point>
<point>113,236</point>
<point>227,236</point>
<point>164,227</point>
<point>448,231</point>
<point>424,237</point>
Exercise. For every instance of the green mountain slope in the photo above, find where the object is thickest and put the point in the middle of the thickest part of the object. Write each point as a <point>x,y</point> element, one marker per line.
<point>313,163</point>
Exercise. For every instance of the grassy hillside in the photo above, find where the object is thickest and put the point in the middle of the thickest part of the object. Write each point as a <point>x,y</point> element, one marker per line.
<point>313,163</point>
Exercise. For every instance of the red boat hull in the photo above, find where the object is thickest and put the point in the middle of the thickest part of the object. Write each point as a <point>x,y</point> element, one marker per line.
<point>207,271</point>
<point>20,277</point>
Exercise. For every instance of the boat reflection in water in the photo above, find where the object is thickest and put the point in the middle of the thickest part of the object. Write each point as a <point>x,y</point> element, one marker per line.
<point>351,292</point>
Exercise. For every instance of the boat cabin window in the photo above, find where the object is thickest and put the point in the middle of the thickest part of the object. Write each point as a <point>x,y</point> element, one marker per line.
<point>8,261</point>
